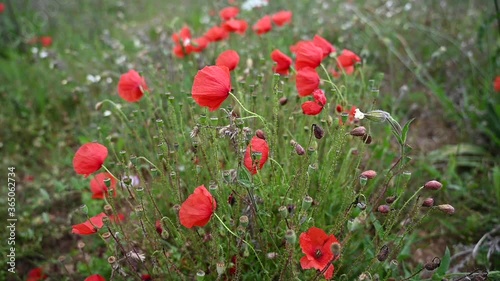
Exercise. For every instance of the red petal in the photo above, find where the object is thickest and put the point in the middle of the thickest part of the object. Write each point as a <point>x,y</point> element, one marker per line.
<point>99,188</point>
<point>89,158</point>
<point>229,13</point>
<point>311,108</point>
<point>282,17</point>
<point>131,86</point>
<point>326,46</point>
<point>257,145</point>
<point>307,81</point>
<point>263,25</point>
<point>211,86</point>
<point>198,208</point>
<point>229,59</point>
<point>308,55</point>
<point>95,277</point>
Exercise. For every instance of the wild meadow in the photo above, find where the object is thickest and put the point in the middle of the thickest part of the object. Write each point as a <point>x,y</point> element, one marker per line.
<point>250,140</point>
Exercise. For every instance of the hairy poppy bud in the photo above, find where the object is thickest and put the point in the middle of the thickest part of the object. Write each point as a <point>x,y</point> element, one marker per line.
<point>433,185</point>
<point>298,148</point>
<point>283,100</point>
<point>318,131</point>
<point>377,115</point>
<point>428,202</point>
<point>336,248</point>
<point>260,134</point>
<point>383,253</point>
<point>358,131</point>
<point>447,208</point>
<point>384,209</point>
<point>435,263</point>
<point>390,199</point>
<point>369,174</point>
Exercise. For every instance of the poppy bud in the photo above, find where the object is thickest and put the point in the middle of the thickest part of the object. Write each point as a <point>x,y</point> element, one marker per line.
<point>358,131</point>
<point>260,134</point>
<point>367,139</point>
<point>383,253</point>
<point>108,210</point>
<point>369,174</point>
<point>231,200</point>
<point>433,185</point>
<point>384,209</point>
<point>428,202</point>
<point>406,176</point>
<point>164,234</point>
<point>290,236</point>
<point>344,117</point>
<point>390,199</point>
<point>447,208</point>
<point>220,267</point>
<point>318,131</point>
<point>336,248</point>
<point>377,116</point>
<point>435,263</point>
<point>98,105</point>
<point>283,210</point>
<point>283,100</point>
<point>213,186</point>
<point>338,108</point>
<point>306,203</point>
<point>298,148</point>
<point>244,221</point>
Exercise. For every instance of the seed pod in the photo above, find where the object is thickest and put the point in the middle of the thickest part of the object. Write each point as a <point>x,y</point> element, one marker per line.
<point>369,174</point>
<point>384,209</point>
<point>221,267</point>
<point>428,202</point>
<point>244,221</point>
<point>260,134</point>
<point>318,131</point>
<point>447,208</point>
<point>108,210</point>
<point>383,253</point>
<point>390,199</point>
<point>283,210</point>
<point>290,236</point>
<point>358,131</point>
<point>336,248</point>
<point>433,185</point>
<point>306,203</point>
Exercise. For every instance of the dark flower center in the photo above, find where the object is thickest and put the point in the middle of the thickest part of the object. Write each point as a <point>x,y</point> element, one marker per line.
<point>318,253</point>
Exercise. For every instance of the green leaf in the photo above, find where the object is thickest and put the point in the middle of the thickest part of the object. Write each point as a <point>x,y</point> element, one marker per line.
<point>496,182</point>
<point>445,264</point>
<point>244,177</point>
<point>406,128</point>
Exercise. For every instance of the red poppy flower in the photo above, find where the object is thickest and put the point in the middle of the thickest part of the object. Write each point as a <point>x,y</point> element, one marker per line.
<point>131,86</point>
<point>36,274</point>
<point>496,84</point>
<point>90,226</point>
<point>234,25</point>
<point>347,58</point>
<point>316,106</point>
<point>282,17</point>
<point>146,277</point>
<point>350,115</point>
<point>308,55</point>
<point>98,186</point>
<point>316,245</point>
<point>307,81</point>
<point>2,7</point>
<point>216,34</point>
<point>158,227</point>
<point>283,62</point>
<point>95,277</point>
<point>229,59</point>
<point>89,158</point>
<point>229,13</point>
<point>46,41</point>
<point>211,86</point>
<point>183,37</point>
<point>324,45</point>
<point>256,155</point>
<point>197,45</point>
<point>263,25</point>
<point>198,208</point>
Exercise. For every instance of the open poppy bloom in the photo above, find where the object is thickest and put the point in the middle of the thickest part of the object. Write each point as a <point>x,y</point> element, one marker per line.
<point>324,45</point>
<point>90,226</point>
<point>316,245</point>
<point>256,155</point>
<point>198,208</point>
<point>229,59</point>
<point>131,86</point>
<point>351,115</point>
<point>282,17</point>
<point>345,63</point>
<point>496,84</point>
<point>98,185</point>
<point>316,106</point>
<point>306,81</point>
<point>216,34</point>
<point>46,41</point>
<point>197,45</point>
<point>95,277</point>
<point>234,25</point>
<point>307,55</point>
<point>89,158</point>
<point>36,274</point>
<point>263,25</point>
<point>229,13</point>
<point>211,86</point>
<point>283,62</point>
<point>183,37</point>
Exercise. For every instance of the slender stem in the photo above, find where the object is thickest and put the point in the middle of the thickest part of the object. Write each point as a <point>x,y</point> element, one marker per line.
<point>248,111</point>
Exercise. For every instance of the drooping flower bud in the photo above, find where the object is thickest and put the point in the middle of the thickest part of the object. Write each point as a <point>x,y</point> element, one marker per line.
<point>390,199</point>
<point>383,253</point>
<point>367,139</point>
<point>84,209</point>
<point>435,263</point>
<point>358,131</point>
<point>283,100</point>
<point>428,202</point>
<point>318,131</point>
<point>369,174</point>
<point>363,180</point>
<point>447,208</point>
<point>384,209</point>
<point>377,116</point>
<point>260,134</point>
<point>433,185</point>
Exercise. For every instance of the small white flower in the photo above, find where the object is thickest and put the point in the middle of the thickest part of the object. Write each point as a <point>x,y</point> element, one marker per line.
<point>358,114</point>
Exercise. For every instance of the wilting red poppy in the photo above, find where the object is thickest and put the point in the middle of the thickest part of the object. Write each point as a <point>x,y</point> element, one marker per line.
<point>496,84</point>
<point>90,226</point>
<point>46,41</point>
<point>229,13</point>
<point>36,274</point>
<point>316,245</point>
<point>316,106</point>
<point>183,37</point>
<point>306,81</point>
<point>98,186</point>
<point>282,17</point>
<point>326,46</point>
<point>283,62</point>
<point>308,55</point>
<point>229,59</point>
<point>347,58</point>
<point>131,86</point>
<point>95,277</point>
<point>234,25</point>
<point>215,34</point>
<point>198,208</point>
<point>256,155</point>
<point>211,86</point>
<point>263,25</point>
<point>89,158</point>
